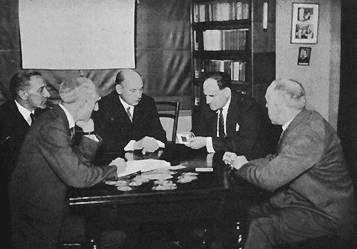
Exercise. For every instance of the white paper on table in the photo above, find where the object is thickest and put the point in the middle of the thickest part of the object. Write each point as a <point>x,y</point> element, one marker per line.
<point>141,165</point>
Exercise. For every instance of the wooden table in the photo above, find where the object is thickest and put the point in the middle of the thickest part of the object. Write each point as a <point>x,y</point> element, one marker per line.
<point>205,197</point>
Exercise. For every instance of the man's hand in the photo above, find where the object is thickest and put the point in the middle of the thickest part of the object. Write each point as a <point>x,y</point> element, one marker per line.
<point>239,161</point>
<point>148,144</point>
<point>197,142</point>
<point>229,157</point>
<point>120,164</point>
<point>87,126</point>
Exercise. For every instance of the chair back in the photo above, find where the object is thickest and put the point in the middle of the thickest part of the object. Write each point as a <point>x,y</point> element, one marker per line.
<point>170,109</point>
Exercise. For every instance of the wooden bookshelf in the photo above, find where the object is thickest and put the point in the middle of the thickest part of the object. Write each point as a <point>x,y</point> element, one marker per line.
<point>228,35</point>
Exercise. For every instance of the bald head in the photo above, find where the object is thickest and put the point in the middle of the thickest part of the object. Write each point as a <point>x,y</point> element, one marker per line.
<point>129,86</point>
<point>285,98</point>
<point>291,91</point>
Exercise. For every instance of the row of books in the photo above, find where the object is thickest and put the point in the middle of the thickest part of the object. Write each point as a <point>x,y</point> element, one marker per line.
<point>220,11</point>
<point>234,39</point>
<point>236,69</point>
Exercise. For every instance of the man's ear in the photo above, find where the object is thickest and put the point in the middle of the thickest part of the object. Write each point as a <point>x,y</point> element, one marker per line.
<point>119,89</point>
<point>22,94</point>
<point>227,92</point>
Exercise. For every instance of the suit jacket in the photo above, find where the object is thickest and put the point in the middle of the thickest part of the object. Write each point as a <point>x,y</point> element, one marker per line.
<point>246,127</point>
<point>112,123</point>
<point>47,165</point>
<point>309,170</point>
<point>13,128</point>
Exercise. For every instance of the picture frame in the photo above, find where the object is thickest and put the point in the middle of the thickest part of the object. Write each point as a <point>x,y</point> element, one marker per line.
<point>304,56</point>
<point>304,24</point>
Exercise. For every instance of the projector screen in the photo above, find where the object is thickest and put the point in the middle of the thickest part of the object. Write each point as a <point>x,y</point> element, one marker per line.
<point>77,34</point>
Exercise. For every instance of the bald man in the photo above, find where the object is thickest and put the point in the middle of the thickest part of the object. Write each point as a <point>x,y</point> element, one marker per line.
<point>49,163</point>
<point>312,190</point>
<point>127,119</point>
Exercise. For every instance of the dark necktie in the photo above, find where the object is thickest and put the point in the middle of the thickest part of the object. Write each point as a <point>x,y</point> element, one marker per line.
<point>32,118</point>
<point>221,124</point>
<point>129,114</point>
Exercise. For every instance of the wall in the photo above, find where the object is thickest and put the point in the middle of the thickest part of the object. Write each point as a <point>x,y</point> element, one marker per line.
<point>322,78</point>
<point>162,51</point>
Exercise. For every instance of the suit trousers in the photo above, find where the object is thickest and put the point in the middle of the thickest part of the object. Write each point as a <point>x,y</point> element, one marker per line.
<point>270,226</point>
<point>34,228</point>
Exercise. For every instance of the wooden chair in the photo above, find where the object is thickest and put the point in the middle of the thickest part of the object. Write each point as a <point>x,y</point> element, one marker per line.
<point>170,110</point>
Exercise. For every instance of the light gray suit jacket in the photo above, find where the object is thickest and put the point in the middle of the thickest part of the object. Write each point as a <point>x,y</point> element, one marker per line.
<point>309,170</point>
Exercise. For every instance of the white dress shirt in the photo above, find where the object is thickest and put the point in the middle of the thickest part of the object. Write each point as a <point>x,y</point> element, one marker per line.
<point>209,143</point>
<point>25,113</point>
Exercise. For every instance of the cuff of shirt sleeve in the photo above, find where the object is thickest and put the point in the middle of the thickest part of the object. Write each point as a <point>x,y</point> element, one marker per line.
<point>209,145</point>
<point>161,144</point>
<point>93,137</point>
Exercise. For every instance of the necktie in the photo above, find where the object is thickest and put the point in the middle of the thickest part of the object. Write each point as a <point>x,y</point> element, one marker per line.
<point>129,114</point>
<point>221,124</point>
<point>32,118</point>
<point>72,133</point>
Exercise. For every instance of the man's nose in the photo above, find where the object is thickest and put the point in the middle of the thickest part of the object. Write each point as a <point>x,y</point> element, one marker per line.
<point>208,100</point>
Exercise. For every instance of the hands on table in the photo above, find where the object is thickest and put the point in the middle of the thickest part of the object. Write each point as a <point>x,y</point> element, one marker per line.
<point>231,159</point>
<point>147,144</point>
<point>196,142</point>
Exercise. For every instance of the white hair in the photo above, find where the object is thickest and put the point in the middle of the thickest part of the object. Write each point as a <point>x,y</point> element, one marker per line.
<point>292,92</point>
<point>75,89</point>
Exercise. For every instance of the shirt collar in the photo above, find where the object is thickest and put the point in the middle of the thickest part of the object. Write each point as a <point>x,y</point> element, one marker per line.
<point>69,117</point>
<point>126,105</point>
<point>24,112</point>
<point>286,125</point>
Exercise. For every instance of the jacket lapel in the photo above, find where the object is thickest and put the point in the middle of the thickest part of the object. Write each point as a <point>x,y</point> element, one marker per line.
<point>233,114</point>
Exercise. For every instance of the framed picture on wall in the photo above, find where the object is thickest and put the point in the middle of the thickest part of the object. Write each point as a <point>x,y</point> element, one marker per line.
<point>304,24</point>
<point>304,56</point>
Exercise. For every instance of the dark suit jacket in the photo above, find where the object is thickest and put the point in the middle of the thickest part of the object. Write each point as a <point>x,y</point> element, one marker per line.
<point>112,123</point>
<point>46,167</point>
<point>309,170</point>
<point>13,128</point>
<point>246,127</point>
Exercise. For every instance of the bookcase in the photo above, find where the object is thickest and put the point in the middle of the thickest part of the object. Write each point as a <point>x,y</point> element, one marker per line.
<point>235,36</point>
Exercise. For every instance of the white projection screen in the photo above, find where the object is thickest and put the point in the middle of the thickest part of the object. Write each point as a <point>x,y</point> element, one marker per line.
<point>77,34</point>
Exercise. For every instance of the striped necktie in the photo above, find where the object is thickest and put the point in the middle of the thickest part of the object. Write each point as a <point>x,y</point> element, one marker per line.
<point>129,114</point>
<point>221,124</point>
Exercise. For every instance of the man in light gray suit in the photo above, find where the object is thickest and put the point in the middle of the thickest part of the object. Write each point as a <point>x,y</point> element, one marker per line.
<point>312,191</point>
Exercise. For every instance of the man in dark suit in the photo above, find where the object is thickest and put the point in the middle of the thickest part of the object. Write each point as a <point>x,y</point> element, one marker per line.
<point>49,163</point>
<point>244,124</point>
<point>29,91</point>
<point>127,119</point>
<point>312,191</point>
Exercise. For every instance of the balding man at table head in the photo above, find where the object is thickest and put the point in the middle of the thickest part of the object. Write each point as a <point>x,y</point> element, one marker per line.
<point>49,163</point>
<point>312,190</point>
<point>127,118</point>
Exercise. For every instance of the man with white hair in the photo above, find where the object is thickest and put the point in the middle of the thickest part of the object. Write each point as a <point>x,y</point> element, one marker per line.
<point>49,163</point>
<point>312,191</point>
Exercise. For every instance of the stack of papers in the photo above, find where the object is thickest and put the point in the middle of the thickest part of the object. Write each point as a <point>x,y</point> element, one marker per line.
<point>141,165</point>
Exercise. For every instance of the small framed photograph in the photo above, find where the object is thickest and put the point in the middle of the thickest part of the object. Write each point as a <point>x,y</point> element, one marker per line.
<point>305,21</point>
<point>304,56</point>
